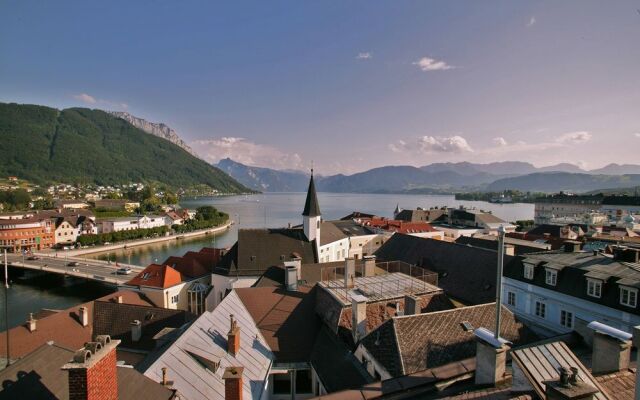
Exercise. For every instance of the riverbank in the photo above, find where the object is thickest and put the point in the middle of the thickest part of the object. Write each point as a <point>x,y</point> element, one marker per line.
<point>144,242</point>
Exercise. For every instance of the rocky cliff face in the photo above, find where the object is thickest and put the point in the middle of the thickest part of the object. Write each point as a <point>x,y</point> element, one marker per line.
<point>157,129</point>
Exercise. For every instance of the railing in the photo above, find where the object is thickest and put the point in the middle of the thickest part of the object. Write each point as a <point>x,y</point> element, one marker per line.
<point>336,273</point>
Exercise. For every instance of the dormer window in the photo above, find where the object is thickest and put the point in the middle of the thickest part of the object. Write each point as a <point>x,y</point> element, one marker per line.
<point>594,288</point>
<point>551,277</point>
<point>628,296</point>
<point>528,271</point>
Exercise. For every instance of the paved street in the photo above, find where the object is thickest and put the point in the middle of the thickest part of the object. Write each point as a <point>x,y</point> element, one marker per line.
<point>86,268</point>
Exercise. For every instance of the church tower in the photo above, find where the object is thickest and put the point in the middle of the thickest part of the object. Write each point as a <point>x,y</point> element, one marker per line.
<point>311,215</point>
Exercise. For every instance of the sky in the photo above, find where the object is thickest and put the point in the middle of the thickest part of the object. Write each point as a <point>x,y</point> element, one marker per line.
<point>344,85</point>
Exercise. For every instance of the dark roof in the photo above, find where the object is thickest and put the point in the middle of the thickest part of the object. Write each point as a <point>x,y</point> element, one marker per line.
<point>573,270</point>
<point>407,344</point>
<point>115,319</point>
<point>311,207</point>
<point>619,385</point>
<point>63,327</point>
<point>286,320</point>
<point>465,273</point>
<point>493,244</point>
<point>421,215</point>
<point>621,200</point>
<point>39,376</point>
<point>330,356</point>
<point>351,228</point>
<point>330,233</point>
<point>310,274</point>
<point>258,249</point>
<point>356,214</point>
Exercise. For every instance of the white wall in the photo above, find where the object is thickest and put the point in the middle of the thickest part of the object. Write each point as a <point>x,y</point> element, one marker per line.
<point>222,283</point>
<point>334,251</point>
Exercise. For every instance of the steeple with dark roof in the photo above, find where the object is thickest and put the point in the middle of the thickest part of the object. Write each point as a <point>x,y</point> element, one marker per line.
<point>311,207</point>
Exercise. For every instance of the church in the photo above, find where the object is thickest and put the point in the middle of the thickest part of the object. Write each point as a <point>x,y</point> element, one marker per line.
<point>256,250</point>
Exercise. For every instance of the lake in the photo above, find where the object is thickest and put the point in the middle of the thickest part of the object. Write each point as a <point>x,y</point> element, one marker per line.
<point>32,292</point>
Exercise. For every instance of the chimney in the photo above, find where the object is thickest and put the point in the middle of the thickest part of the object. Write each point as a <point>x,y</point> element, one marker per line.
<point>491,357</point>
<point>569,387</point>
<point>233,337</point>
<point>84,316</point>
<point>411,305</point>
<point>136,330</point>
<point>611,349</point>
<point>369,265</point>
<point>571,246</point>
<point>119,299</point>
<point>291,278</point>
<point>233,383</point>
<point>509,249</point>
<point>93,372</point>
<point>31,323</point>
<point>358,317</point>
<point>349,272</point>
<point>165,381</point>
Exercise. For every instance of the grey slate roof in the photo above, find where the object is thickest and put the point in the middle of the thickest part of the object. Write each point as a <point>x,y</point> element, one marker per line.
<point>259,249</point>
<point>38,376</point>
<point>407,344</point>
<point>330,233</point>
<point>311,207</point>
<point>464,272</point>
<point>206,339</point>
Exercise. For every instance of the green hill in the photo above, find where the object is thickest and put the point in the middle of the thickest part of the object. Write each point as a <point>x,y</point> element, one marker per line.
<point>43,145</point>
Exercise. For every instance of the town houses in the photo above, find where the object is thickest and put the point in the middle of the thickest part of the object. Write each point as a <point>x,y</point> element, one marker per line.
<point>361,307</point>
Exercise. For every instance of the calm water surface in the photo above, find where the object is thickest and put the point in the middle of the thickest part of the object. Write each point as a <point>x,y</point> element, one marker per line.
<point>30,293</point>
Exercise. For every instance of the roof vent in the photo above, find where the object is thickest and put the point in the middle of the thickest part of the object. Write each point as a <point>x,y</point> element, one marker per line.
<point>467,326</point>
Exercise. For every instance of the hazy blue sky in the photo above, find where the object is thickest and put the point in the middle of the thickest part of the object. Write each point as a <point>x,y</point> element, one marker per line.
<point>348,84</point>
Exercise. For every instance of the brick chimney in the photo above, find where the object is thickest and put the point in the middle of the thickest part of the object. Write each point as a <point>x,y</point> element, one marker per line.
<point>136,330</point>
<point>93,372</point>
<point>611,349</point>
<point>349,272</point>
<point>491,357</point>
<point>31,323</point>
<point>569,387</point>
<point>233,337</point>
<point>84,316</point>
<point>233,383</point>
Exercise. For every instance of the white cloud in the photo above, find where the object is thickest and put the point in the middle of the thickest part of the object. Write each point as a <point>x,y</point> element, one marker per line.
<point>574,137</point>
<point>637,134</point>
<point>364,56</point>
<point>532,22</point>
<point>440,144</point>
<point>429,64</point>
<point>85,98</point>
<point>398,147</point>
<point>246,152</point>
<point>88,99</point>
<point>500,141</point>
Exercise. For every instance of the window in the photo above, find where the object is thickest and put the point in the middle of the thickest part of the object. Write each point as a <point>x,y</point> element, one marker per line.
<point>282,383</point>
<point>511,299</point>
<point>551,277</point>
<point>594,288</point>
<point>566,319</point>
<point>541,309</point>
<point>303,381</point>
<point>628,296</point>
<point>174,299</point>
<point>528,271</point>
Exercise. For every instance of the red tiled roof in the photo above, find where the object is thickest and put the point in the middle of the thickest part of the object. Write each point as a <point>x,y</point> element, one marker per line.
<point>619,385</point>
<point>156,275</point>
<point>393,225</point>
<point>63,328</point>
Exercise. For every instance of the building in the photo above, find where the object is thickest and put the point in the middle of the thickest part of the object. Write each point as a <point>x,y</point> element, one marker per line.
<point>408,344</point>
<point>64,204</point>
<point>512,246</point>
<point>387,227</point>
<point>33,233</point>
<point>419,214</point>
<point>564,290</point>
<point>131,223</point>
<point>363,241</point>
<point>563,206</point>
<point>117,204</point>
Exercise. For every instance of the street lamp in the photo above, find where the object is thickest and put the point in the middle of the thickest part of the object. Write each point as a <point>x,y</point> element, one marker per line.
<point>501,234</point>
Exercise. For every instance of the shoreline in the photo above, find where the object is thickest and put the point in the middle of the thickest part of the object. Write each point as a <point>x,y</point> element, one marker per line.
<point>144,242</point>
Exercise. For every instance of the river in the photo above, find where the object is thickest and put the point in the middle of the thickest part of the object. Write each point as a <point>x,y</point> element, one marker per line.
<point>30,292</point>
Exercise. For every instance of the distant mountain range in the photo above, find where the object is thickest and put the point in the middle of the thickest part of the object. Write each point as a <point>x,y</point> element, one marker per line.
<point>443,177</point>
<point>46,145</point>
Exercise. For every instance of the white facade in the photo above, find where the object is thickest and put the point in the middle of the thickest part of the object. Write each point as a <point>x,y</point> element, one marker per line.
<point>66,233</point>
<point>311,227</point>
<point>558,312</point>
<point>132,223</point>
<point>222,284</point>
<point>334,251</point>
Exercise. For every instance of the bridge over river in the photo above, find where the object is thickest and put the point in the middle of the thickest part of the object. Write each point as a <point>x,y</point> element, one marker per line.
<point>97,270</point>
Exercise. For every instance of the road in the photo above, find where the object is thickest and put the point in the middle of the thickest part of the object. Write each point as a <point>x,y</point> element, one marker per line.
<point>86,268</point>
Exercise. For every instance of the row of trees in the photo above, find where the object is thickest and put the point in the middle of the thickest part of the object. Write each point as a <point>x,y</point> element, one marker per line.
<point>206,217</point>
<point>20,199</point>
<point>88,240</point>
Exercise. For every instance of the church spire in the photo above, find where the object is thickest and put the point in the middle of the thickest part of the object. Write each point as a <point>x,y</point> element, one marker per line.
<point>311,207</point>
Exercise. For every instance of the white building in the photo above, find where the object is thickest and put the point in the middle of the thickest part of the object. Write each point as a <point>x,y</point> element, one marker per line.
<point>131,223</point>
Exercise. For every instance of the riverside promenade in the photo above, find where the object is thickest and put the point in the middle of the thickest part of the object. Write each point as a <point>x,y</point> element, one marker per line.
<point>143,242</point>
